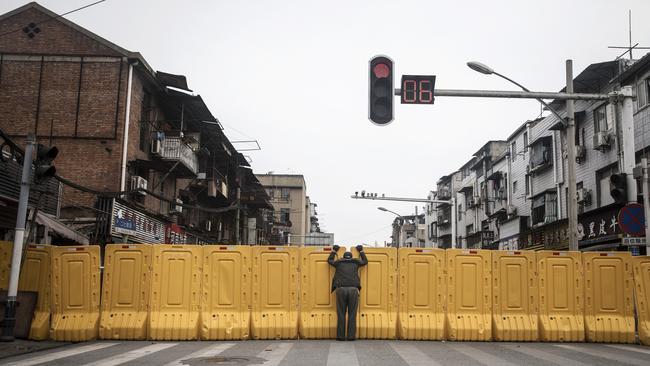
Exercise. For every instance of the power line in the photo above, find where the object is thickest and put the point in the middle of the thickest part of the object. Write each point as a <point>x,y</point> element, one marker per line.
<point>52,18</point>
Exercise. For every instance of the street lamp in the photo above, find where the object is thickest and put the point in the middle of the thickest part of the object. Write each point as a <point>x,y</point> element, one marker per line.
<point>396,214</point>
<point>568,123</point>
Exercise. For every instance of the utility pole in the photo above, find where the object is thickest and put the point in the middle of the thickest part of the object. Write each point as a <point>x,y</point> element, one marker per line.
<point>572,212</point>
<point>10,310</point>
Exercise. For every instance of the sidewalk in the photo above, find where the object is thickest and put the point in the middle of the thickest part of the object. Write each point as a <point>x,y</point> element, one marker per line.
<point>21,346</point>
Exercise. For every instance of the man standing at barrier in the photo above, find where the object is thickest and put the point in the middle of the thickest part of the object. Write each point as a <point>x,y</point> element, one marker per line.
<point>347,285</point>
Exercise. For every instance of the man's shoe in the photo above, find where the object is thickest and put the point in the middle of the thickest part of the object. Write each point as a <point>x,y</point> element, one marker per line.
<point>340,339</point>
<point>351,339</point>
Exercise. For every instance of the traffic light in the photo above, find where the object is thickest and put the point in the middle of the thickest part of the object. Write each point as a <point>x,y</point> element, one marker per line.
<point>44,169</point>
<point>380,108</point>
<point>618,187</point>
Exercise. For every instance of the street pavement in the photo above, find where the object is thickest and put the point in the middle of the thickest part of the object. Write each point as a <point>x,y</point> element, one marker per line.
<point>330,353</point>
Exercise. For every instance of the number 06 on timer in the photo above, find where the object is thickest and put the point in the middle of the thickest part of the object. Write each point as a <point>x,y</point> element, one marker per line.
<point>418,89</point>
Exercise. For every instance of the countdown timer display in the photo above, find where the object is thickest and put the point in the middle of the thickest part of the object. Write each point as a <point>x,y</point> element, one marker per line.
<point>418,89</point>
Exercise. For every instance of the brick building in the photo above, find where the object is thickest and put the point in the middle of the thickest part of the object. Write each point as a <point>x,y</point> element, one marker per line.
<point>152,160</point>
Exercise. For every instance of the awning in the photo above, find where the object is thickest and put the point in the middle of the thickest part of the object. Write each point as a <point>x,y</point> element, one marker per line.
<point>60,228</point>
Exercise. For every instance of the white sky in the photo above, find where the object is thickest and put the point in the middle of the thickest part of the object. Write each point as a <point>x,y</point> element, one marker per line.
<point>294,75</point>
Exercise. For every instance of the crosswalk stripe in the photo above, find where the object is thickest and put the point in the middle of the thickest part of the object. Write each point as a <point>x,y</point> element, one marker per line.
<point>61,354</point>
<point>210,351</point>
<point>592,351</point>
<point>276,354</point>
<point>131,355</point>
<point>629,348</point>
<point>543,355</point>
<point>412,356</point>
<point>342,353</point>
<point>480,356</point>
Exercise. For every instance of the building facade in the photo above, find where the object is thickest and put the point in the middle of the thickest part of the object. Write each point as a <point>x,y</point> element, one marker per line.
<point>288,195</point>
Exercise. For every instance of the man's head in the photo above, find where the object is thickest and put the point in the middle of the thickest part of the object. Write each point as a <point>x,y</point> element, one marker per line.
<point>347,255</point>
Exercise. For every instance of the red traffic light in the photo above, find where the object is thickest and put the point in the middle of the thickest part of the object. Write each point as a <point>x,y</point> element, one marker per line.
<point>380,87</point>
<point>381,70</point>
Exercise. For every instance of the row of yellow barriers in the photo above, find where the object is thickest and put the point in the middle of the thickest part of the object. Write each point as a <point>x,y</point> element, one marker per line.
<point>217,292</point>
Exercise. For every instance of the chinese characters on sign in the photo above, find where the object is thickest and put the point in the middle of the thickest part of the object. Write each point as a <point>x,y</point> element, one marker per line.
<point>142,228</point>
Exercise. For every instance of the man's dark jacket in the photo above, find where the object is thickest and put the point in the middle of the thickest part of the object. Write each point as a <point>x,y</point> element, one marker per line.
<point>347,270</point>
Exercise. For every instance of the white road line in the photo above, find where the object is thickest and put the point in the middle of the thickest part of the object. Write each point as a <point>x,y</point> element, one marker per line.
<point>411,355</point>
<point>478,355</point>
<point>61,354</point>
<point>630,348</point>
<point>209,351</point>
<point>593,351</point>
<point>543,355</point>
<point>342,353</point>
<point>275,354</point>
<point>131,355</point>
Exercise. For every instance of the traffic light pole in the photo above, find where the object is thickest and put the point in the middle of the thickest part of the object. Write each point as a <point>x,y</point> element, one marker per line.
<point>12,292</point>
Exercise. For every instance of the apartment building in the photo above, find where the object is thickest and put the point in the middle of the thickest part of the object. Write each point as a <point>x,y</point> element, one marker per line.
<point>288,195</point>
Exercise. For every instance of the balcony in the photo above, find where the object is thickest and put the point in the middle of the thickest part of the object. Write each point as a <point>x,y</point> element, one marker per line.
<point>177,154</point>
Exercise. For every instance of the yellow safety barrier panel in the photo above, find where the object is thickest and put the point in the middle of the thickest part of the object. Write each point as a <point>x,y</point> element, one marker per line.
<point>35,275</point>
<point>318,302</point>
<point>609,297</point>
<point>377,316</point>
<point>125,293</point>
<point>561,291</point>
<point>75,293</point>
<point>175,292</point>
<point>275,292</point>
<point>6,249</point>
<point>421,294</point>
<point>469,292</point>
<point>225,304</point>
<point>642,283</point>
<point>514,296</point>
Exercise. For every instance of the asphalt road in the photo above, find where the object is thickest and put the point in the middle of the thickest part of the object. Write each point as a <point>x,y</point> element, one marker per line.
<point>330,353</point>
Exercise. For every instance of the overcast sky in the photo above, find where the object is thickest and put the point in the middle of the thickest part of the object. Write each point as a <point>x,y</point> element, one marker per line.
<point>294,75</point>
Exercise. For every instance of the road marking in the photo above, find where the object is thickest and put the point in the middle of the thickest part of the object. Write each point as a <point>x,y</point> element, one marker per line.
<point>277,353</point>
<point>209,351</point>
<point>411,355</point>
<point>131,355</point>
<point>629,348</point>
<point>480,356</point>
<point>342,353</point>
<point>592,351</point>
<point>543,355</point>
<point>61,354</point>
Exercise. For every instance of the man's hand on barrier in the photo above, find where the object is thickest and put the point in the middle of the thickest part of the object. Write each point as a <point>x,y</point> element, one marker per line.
<point>336,248</point>
<point>359,248</point>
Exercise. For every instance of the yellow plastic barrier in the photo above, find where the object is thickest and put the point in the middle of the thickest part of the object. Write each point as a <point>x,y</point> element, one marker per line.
<point>469,292</point>
<point>6,248</point>
<point>642,284</point>
<point>514,296</point>
<point>175,292</point>
<point>317,303</point>
<point>609,297</point>
<point>377,316</point>
<point>35,275</point>
<point>275,292</point>
<point>125,293</point>
<point>561,291</point>
<point>421,294</point>
<point>75,293</point>
<point>225,304</point>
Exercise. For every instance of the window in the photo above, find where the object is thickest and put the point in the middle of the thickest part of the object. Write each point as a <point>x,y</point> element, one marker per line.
<point>601,122</point>
<point>284,215</point>
<point>285,193</point>
<point>526,141</point>
<point>514,187</point>
<point>541,153</point>
<point>460,211</point>
<point>527,185</point>
<point>642,93</point>
<point>270,192</point>
<point>544,208</point>
<point>604,197</point>
<point>469,229</point>
<point>513,151</point>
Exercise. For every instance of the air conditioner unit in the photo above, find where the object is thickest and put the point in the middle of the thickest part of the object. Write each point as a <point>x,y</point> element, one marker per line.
<point>511,210</point>
<point>601,141</point>
<point>176,207</point>
<point>156,147</point>
<point>581,153</point>
<point>138,183</point>
<point>584,196</point>
<point>208,225</point>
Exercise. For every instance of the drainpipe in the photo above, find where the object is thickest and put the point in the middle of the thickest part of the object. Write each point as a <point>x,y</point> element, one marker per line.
<point>509,182</point>
<point>127,120</point>
<point>555,175</point>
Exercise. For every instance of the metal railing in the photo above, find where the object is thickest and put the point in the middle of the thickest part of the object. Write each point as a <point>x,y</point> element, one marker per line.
<point>173,148</point>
